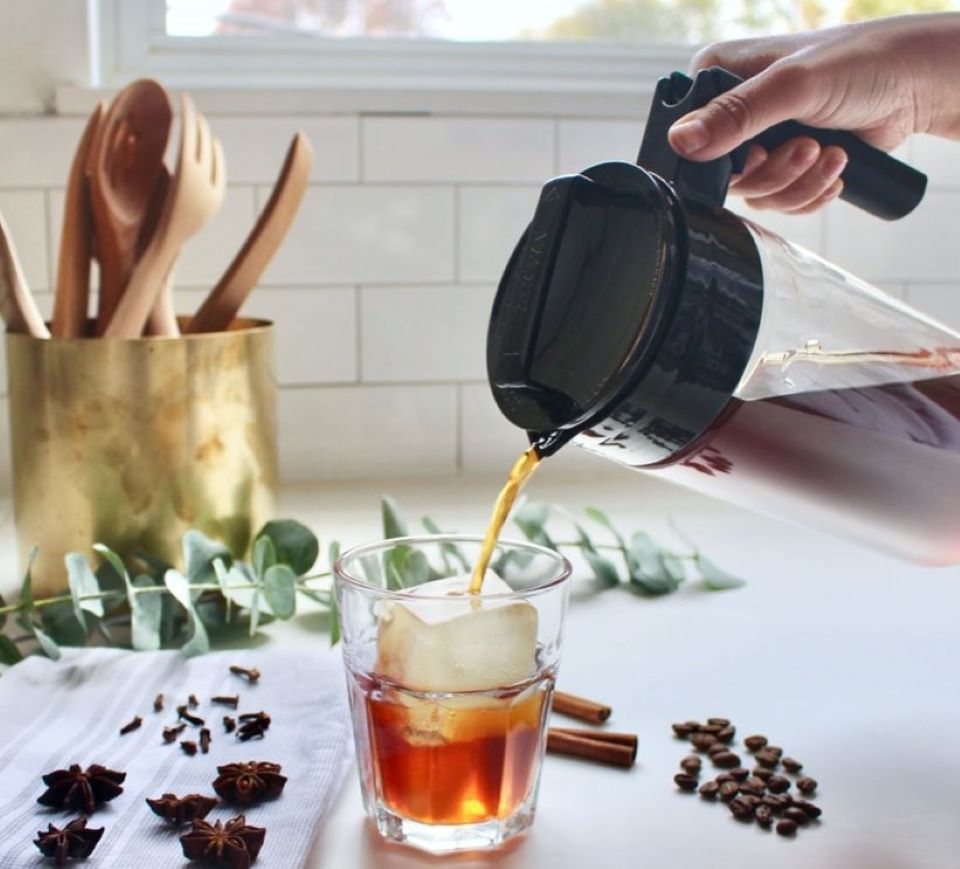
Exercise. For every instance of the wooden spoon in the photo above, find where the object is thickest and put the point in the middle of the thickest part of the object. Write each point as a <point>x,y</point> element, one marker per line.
<point>241,276</point>
<point>72,286</point>
<point>163,317</point>
<point>17,307</point>
<point>128,159</point>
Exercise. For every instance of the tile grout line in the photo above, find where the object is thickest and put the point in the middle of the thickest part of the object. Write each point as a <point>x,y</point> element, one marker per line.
<point>458,430</point>
<point>358,330</point>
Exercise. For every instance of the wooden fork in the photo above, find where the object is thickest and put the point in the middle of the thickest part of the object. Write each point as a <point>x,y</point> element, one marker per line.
<point>196,191</point>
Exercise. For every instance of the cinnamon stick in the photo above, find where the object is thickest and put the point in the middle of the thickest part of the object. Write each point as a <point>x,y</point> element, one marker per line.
<point>597,750</point>
<point>578,707</point>
<point>628,739</point>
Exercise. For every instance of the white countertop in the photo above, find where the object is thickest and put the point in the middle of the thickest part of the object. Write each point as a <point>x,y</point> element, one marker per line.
<point>847,659</point>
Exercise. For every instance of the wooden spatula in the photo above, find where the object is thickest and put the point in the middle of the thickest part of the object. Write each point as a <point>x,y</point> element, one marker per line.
<point>241,276</point>
<point>72,286</point>
<point>17,307</point>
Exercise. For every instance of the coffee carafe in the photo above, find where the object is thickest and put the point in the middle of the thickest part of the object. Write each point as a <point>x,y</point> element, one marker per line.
<point>640,320</point>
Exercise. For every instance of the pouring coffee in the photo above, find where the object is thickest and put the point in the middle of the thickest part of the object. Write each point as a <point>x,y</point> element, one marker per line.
<point>640,320</point>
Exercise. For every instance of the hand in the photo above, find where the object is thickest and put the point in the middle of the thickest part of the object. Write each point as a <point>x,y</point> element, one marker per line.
<point>882,80</point>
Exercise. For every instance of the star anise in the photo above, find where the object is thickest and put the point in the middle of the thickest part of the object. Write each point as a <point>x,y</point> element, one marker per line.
<point>81,791</point>
<point>251,782</point>
<point>182,810</point>
<point>74,841</point>
<point>233,845</point>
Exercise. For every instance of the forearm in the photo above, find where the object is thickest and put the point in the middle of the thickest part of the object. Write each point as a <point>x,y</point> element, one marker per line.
<point>931,48</point>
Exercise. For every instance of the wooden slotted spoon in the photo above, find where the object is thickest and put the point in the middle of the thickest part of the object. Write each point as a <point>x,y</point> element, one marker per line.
<point>195,193</point>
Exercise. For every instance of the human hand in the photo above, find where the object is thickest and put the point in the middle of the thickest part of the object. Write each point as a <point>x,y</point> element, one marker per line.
<point>882,80</point>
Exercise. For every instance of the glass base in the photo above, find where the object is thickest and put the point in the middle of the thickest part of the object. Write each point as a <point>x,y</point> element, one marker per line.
<point>452,838</point>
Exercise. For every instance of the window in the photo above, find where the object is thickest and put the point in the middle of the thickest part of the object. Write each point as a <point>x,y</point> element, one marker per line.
<point>527,55</point>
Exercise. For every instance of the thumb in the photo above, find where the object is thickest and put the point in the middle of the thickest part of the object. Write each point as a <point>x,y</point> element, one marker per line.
<point>774,95</point>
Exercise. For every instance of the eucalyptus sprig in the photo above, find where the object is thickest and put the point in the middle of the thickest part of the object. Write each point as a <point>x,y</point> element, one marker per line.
<point>155,606</point>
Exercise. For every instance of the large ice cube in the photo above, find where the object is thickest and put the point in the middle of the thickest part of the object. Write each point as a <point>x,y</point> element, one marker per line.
<point>462,643</point>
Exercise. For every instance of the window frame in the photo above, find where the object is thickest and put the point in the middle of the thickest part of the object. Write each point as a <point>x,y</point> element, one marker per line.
<point>369,74</point>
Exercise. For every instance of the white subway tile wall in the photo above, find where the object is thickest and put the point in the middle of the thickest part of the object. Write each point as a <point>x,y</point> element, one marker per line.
<point>383,288</point>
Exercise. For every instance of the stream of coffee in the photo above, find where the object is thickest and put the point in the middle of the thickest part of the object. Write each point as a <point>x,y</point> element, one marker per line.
<point>522,471</point>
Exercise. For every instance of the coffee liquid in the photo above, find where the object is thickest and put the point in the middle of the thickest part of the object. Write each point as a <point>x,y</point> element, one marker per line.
<point>522,471</point>
<point>879,463</point>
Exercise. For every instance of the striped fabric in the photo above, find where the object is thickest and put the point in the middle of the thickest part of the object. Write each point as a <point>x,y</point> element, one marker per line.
<point>53,714</point>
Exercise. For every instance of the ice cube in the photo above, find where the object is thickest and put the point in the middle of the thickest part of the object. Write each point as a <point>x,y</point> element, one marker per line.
<point>462,643</point>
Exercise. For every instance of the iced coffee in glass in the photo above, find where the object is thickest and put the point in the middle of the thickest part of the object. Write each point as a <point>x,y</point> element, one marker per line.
<point>449,688</point>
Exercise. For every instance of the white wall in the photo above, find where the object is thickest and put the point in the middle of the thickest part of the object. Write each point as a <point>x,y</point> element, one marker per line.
<point>383,287</point>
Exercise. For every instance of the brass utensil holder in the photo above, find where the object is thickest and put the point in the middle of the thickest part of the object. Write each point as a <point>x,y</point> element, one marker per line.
<point>132,442</point>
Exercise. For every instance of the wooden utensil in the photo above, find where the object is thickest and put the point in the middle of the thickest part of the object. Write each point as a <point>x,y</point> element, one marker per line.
<point>241,276</point>
<point>196,191</point>
<point>17,307</point>
<point>163,318</point>
<point>128,158</point>
<point>72,286</point>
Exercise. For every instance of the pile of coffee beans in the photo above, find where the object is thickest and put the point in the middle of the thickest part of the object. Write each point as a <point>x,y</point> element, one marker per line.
<point>760,794</point>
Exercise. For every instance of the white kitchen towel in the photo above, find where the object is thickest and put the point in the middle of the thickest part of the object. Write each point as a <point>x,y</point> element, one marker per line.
<point>56,713</point>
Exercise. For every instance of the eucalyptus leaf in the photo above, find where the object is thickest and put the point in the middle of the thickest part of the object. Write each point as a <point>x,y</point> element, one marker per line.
<point>3,616</point>
<point>715,579</point>
<point>601,518</point>
<point>61,624</point>
<point>448,550</point>
<point>47,643</point>
<point>280,590</point>
<point>394,525</point>
<point>264,555</point>
<point>294,544</point>
<point>82,582</point>
<point>115,562</point>
<point>371,570</point>
<point>650,573</point>
<point>145,615</point>
<point>9,653</point>
<point>333,554</point>
<point>26,587</point>
<point>531,518</point>
<point>179,586</point>
<point>234,583</point>
<point>199,552</point>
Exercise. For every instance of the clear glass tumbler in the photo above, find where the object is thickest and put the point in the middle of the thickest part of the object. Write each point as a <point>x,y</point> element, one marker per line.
<point>449,692</point>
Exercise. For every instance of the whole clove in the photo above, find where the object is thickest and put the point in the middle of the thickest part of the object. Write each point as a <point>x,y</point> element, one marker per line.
<point>253,725</point>
<point>184,714</point>
<point>251,674</point>
<point>131,725</point>
<point>158,703</point>
<point>170,734</point>
<point>205,740</point>
<point>229,724</point>
<point>192,701</point>
<point>223,700</point>
<point>189,747</point>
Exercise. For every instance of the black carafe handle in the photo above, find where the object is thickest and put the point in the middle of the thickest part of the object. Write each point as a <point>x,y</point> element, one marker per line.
<point>872,179</point>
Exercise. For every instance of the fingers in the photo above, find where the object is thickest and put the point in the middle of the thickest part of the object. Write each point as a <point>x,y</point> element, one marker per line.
<point>794,176</point>
<point>828,196</point>
<point>781,91</point>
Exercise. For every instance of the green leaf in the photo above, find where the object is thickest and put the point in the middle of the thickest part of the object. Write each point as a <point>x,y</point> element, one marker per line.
<point>264,555</point>
<point>179,586</point>
<point>114,560</point>
<point>145,615</point>
<point>649,572</point>
<point>3,616</point>
<point>601,518</point>
<point>531,518</point>
<point>448,550</point>
<point>294,544</point>
<point>232,582</point>
<point>280,590</point>
<point>407,567</point>
<point>371,570</point>
<point>47,643</point>
<point>61,624</point>
<point>394,524</point>
<point>26,588</point>
<point>199,552</point>
<point>82,582</point>
<point>9,653</point>
<point>714,578</point>
<point>333,555</point>
<point>603,569</point>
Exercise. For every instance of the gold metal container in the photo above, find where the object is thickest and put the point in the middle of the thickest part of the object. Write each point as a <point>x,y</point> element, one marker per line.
<point>132,442</point>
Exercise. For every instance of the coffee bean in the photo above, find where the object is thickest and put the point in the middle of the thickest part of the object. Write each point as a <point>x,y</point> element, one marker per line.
<point>741,809</point>
<point>753,790</point>
<point>786,827</point>
<point>778,784</point>
<point>764,815</point>
<point>691,764</point>
<point>716,748</point>
<point>766,758</point>
<point>711,728</point>
<point>738,773</point>
<point>728,790</point>
<point>755,742</point>
<point>683,729</point>
<point>722,722</point>
<point>702,741</point>
<point>798,816</point>
<point>751,799</point>
<point>709,790</point>
<point>754,784</point>
<point>806,785</point>
<point>685,782</point>
<point>727,733</point>
<point>762,772</point>
<point>777,802</point>
<point>724,777</point>
<point>791,765</point>
<point>813,812</point>
<point>775,750</point>
<point>726,760</point>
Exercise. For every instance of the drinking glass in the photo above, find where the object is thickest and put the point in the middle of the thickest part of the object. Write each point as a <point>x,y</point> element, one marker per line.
<point>449,716</point>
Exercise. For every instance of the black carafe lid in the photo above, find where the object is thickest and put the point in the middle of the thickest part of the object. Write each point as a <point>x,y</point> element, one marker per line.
<point>587,298</point>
